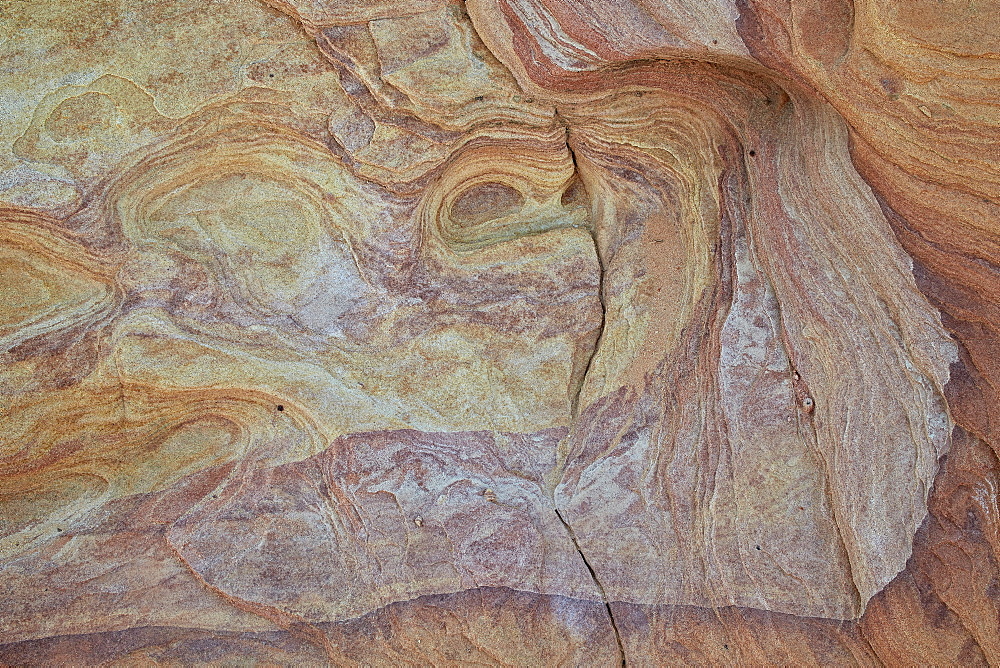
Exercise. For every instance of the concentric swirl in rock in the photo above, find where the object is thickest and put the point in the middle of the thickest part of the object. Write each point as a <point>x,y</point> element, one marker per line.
<point>577,303</point>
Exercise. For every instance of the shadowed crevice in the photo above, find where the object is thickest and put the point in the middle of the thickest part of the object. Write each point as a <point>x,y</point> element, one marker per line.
<point>597,583</point>
<point>578,390</point>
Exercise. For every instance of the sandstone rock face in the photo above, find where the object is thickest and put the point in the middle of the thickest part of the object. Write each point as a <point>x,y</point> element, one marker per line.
<point>500,331</point>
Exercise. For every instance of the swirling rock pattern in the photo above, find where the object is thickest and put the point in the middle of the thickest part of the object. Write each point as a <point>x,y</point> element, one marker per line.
<point>499,331</point>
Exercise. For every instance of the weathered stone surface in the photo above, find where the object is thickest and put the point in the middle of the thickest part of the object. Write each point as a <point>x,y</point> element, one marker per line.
<point>499,331</point>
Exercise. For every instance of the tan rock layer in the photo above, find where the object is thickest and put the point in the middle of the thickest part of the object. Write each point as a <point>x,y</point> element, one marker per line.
<point>939,610</point>
<point>302,369</point>
<point>810,249</point>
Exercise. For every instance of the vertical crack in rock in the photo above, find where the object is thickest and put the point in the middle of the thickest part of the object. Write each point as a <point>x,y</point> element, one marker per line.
<point>575,400</point>
<point>597,583</point>
<point>343,277</point>
<point>575,404</point>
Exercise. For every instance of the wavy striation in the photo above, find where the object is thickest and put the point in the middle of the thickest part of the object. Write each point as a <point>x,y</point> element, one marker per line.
<point>499,331</point>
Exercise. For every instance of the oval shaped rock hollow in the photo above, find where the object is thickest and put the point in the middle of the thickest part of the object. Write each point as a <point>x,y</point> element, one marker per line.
<point>485,201</point>
<point>495,258</point>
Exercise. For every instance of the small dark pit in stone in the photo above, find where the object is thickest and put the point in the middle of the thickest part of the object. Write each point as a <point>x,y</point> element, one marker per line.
<point>757,546</point>
<point>752,153</point>
<point>280,407</point>
<point>575,193</point>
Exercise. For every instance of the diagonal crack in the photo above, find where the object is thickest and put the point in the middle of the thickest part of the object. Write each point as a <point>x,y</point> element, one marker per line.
<point>575,398</point>
<point>600,587</point>
<point>575,406</point>
<point>575,395</point>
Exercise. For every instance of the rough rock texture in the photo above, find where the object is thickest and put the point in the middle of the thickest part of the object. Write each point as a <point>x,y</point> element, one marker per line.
<point>499,332</point>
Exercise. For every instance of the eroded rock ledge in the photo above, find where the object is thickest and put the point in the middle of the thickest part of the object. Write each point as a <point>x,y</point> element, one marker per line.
<point>503,331</point>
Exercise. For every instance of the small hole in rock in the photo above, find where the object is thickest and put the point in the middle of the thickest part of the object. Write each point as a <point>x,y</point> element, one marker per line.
<point>575,193</point>
<point>752,153</point>
<point>280,407</point>
<point>271,75</point>
<point>715,41</point>
<point>757,546</point>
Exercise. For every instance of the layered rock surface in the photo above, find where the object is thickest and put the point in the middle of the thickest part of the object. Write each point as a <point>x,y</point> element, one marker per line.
<point>499,331</point>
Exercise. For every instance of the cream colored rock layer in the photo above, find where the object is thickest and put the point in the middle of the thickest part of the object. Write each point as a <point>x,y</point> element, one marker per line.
<point>340,316</point>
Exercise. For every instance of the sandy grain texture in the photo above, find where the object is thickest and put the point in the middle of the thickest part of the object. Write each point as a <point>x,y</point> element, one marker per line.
<point>504,332</point>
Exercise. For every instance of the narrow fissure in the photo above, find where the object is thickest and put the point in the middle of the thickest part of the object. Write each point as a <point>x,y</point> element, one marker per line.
<point>597,583</point>
<point>575,407</point>
<point>575,401</point>
<point>575,404</point>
